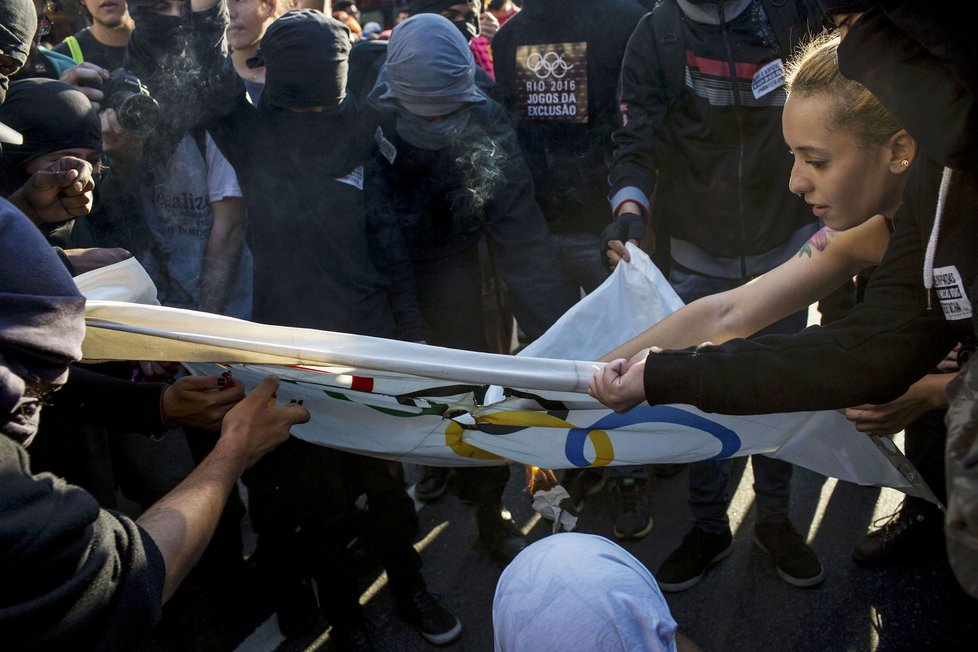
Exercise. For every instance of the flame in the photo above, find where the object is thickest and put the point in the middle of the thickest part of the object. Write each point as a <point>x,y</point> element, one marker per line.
<point>539,479</point>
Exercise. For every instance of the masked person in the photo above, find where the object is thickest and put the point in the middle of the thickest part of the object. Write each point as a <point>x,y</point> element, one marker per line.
<point>321,261</point>
<point>56,121</point>
<point>451,163</point>
<point>76,575</point>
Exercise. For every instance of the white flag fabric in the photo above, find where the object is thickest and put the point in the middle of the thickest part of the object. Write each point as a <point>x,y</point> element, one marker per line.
<point>438,406</point>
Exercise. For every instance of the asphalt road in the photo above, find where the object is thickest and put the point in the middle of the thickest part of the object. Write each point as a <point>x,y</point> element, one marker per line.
<point>740,605</point>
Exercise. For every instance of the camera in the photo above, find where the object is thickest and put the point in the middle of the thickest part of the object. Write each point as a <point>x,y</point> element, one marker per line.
<point>138,112</point>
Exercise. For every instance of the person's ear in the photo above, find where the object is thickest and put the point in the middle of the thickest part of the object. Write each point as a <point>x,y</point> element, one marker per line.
<point>271,8</point>
<point>903,151</point>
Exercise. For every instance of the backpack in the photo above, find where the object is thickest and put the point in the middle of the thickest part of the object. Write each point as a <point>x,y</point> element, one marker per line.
<point>787,18</point>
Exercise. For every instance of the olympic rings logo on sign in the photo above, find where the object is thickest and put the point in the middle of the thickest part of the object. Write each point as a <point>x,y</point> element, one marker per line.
<point>546,65</point>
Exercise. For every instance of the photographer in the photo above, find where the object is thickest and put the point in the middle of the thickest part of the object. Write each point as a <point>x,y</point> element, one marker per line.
<point>186,189</point>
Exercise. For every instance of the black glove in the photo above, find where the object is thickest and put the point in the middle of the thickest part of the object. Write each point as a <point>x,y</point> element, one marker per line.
<point>628,226</point>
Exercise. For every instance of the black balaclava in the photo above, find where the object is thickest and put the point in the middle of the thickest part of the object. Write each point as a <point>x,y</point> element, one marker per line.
<point>469,27</point>
<point>305,56</point>
<point>41,323</point>
<point>51,116</point>
<point>157,37</point>
<point>18,23</point>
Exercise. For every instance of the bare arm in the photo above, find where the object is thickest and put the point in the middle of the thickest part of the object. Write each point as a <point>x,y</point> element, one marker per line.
<point>223,254</point>
<point>182,522</point>
<point>821,266</point>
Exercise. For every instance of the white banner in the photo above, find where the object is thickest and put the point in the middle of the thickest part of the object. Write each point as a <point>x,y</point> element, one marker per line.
<point>418,403</point>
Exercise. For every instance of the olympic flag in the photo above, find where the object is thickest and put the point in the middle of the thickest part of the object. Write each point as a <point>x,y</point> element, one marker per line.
<point>438,406</point>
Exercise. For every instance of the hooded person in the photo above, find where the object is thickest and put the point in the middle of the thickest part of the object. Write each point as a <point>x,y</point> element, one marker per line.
<point>323,262</point>
<point>428,82</point>
<point>18,24</point>
<point>55,120</point>
<point>71,572</point>
<point>76,575</point>
<point>575,591</point>
<point>41,325</point>
<point>450,161</point>
<point>51,116</point>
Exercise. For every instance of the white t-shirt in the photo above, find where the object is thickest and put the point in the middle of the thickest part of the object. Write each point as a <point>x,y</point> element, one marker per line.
<point>179,215</point>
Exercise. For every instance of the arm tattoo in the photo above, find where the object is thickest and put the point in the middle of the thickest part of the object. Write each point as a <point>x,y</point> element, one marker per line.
<point>818,241</point>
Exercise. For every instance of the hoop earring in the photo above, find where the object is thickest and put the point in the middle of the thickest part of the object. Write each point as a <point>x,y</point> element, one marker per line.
<point>905,163</point>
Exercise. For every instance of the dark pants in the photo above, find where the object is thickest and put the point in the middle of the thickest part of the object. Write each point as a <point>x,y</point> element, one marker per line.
<point>301,499</point>
<point>709,491</point>
<point>450,292</point>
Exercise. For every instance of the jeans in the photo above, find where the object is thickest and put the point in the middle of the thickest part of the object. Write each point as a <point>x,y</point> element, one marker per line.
<point>709,490</point>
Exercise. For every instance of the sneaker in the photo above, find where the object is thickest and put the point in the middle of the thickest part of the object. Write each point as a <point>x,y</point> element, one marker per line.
<point>581,483</point>
<point>633,510</point>
<point>498,532</point>
<point>796,562</point>
<point>688,563</point>
<point>352,637</point>
<point>423,611</point>
<point>917,528</point>
<point>433,482</point>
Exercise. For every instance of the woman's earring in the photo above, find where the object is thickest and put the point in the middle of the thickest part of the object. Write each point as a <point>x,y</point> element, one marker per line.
<point>905,163</point>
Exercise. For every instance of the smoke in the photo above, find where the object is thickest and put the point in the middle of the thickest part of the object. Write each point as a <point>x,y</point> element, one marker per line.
<point>482,163</point>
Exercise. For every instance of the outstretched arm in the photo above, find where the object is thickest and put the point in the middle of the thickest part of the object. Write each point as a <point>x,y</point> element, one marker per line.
<point>182,522</point>
<point>822,265</point>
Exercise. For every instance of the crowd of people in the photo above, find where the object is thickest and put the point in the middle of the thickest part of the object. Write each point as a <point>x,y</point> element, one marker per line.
<point>460,174</point>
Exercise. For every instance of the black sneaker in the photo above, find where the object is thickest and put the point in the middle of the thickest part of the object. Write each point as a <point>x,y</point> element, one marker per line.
<point>433,482</point>
<point>423,611</point>
<point>352,637</point>
<point>633,510</point>
<point>796,562</point>
<point>913,531</point>
<point>581,483</point>
<point>688,563</point>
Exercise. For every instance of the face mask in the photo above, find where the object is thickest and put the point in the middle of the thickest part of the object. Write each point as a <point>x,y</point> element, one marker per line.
<point>425,134</point>
<point>160,36</point>
<point>469,26</point>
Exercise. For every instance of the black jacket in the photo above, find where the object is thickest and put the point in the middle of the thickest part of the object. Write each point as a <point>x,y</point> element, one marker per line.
<point>715,156</point>
<point>445,200</point>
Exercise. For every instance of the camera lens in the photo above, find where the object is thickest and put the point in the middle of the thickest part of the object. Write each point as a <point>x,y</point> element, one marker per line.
<point>138,113</point>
